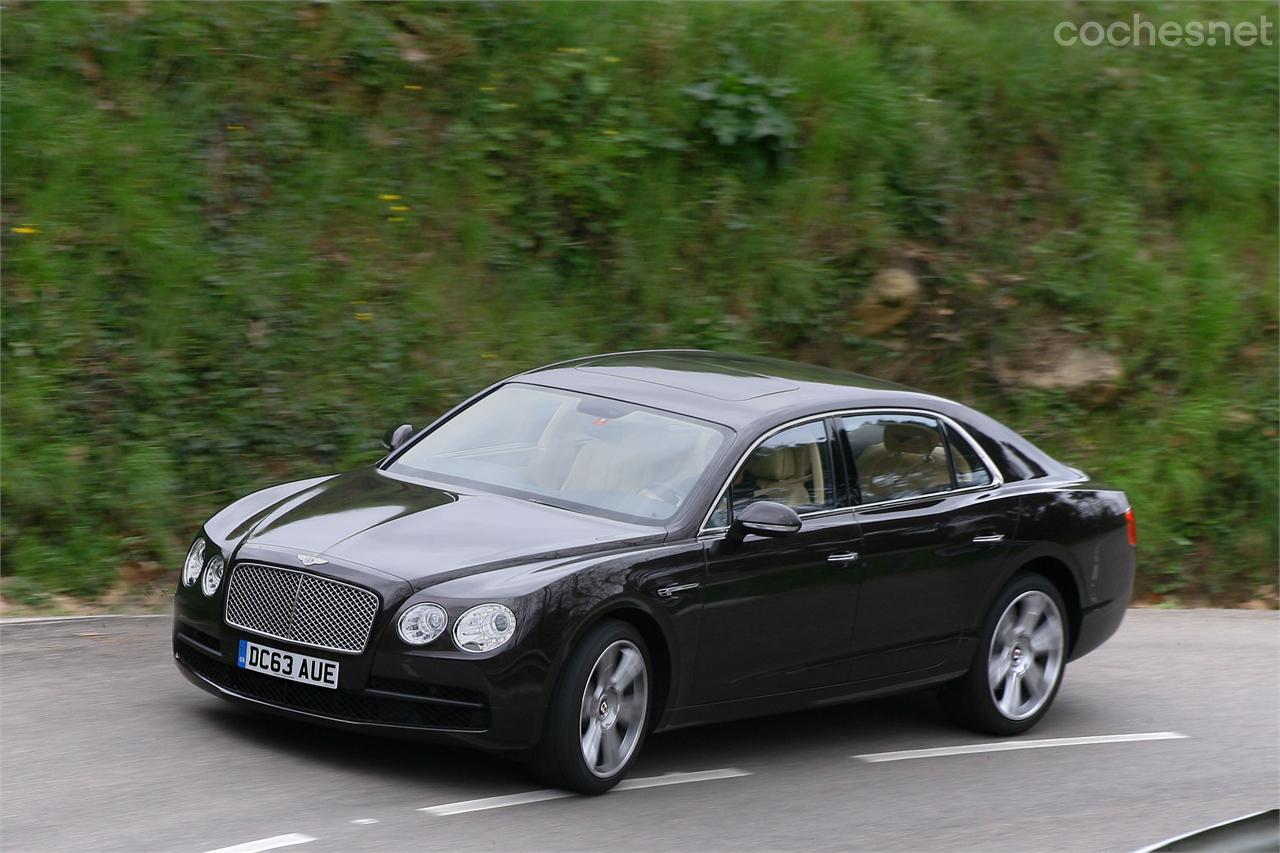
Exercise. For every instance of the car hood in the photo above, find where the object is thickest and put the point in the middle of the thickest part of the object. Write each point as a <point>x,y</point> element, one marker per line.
<point>423,534</point>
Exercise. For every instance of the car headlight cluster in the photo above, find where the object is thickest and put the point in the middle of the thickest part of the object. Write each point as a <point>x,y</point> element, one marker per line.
<point>422,623</point>
<point>213,575</point>
<point>195,562</point>
<point>483,628</point>
<point>195,568</point>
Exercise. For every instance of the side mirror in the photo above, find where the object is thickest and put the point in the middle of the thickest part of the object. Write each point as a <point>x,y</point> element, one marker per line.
<point>398,436</point>
<point>765,518</point>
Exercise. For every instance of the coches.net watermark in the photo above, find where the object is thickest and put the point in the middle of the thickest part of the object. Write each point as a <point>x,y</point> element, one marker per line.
<point>1143,33</point>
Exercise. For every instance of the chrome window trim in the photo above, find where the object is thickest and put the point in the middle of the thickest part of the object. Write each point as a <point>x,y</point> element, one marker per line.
<point>997,479</point>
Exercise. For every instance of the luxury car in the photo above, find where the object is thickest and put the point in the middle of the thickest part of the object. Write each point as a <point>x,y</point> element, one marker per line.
<point>595,550</point>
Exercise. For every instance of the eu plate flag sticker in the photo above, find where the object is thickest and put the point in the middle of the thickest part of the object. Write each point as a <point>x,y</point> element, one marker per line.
<point>244,650</point>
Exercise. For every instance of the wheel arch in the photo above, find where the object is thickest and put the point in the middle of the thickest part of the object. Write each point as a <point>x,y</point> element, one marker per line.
<point>655,639</point>
<point>1057,573</point>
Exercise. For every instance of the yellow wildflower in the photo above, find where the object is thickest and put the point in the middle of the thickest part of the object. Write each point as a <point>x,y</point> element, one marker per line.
<point>488,355</point>
<point>388,197</point>
<point>364,315</point>
<point>25,229</point>
<point>395,219</point>
<point>235,127</point>
<point>612,59</point>
<point>400,208</point>
<point>610,132</point>
<point>413,87</point>
<point>488,88</point>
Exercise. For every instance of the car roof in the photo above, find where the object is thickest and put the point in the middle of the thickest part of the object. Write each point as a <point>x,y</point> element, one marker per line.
<point>738,391</point>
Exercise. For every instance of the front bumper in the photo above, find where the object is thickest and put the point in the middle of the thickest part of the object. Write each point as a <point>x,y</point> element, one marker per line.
<point>490,703</point>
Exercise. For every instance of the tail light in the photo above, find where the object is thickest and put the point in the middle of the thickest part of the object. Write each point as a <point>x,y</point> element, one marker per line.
<point>1131,524</point>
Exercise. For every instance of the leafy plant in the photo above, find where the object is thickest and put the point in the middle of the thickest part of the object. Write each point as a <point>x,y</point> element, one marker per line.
<point>744,109</point>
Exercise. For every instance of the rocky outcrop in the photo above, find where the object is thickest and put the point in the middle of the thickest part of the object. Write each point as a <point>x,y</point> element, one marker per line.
<point>890,299</point>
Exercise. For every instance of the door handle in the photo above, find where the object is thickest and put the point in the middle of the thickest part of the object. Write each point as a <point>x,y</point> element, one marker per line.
<point>846,557</point>
<point>990,538</point>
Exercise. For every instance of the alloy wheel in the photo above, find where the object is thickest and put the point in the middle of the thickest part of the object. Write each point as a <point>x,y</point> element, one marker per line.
<point>615,703</point>
<point>1026,655</point>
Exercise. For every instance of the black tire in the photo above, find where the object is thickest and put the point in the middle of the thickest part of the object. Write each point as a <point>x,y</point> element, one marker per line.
<point>559,758</point>
<point>972,700</point>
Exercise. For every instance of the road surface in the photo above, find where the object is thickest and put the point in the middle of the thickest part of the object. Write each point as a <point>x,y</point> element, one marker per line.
<point>104,746</point>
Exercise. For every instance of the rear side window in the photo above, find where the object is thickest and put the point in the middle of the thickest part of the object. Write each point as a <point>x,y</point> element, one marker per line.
<point>970,469</point>
<point>897,456</point>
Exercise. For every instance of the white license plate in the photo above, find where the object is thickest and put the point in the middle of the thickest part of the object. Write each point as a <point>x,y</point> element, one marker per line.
<point>295,667</point>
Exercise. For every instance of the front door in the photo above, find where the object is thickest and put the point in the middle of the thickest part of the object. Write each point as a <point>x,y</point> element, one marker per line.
<point>778,612</point>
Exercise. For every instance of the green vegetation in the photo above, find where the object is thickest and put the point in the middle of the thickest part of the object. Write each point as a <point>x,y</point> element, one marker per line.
<point>242,240</point>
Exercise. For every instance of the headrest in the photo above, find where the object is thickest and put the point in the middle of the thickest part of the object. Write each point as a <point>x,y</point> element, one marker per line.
<point>910,438</point>
<point>775,463</point>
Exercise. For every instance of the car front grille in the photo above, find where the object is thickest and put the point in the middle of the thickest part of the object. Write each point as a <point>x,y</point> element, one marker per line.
<point>300,607</point>
<point>452,708</point>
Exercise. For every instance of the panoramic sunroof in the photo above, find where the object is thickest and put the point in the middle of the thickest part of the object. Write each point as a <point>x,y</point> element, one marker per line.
<point>718,379</point>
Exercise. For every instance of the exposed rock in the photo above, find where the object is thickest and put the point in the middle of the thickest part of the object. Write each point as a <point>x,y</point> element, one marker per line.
<point>1055,365</point>
<point>890,299</point>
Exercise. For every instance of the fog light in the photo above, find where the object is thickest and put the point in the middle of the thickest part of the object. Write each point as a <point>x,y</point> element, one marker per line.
<point>484,628</point>
<point>422,623</point>
<point>195,559</point>
<point>212,575</point>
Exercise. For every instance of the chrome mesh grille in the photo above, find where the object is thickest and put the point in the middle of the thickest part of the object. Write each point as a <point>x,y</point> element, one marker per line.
<point>300,607</point>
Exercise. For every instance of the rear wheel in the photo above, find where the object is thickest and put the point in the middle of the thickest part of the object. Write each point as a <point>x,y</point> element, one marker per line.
<point>599,712</point>
<point>1019,663</point>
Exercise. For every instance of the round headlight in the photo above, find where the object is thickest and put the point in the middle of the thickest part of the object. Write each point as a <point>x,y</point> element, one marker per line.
<point>195,560</point>
<point>484,628</point>
<point>422,623</point>
<point>212,575</point>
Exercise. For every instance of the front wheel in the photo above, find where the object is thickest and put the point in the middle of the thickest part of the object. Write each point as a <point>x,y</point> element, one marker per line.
<point>1018,665</point>
<point>599,712</point>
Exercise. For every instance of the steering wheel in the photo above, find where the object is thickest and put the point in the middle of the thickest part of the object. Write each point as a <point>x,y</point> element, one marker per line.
<point>659,492</point>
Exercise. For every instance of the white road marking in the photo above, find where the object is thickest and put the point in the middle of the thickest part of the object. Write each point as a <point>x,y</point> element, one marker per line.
<point>364,821</point>
<point>496,802</point>
<point>680,778</point>
<point>554,794</point>
<point>1010,745</point>
<point>266,843</point>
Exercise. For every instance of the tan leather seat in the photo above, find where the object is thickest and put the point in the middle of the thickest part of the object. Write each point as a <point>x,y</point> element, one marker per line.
<point>910,460</point>
<point>606,464</point>
<point>781,473</point>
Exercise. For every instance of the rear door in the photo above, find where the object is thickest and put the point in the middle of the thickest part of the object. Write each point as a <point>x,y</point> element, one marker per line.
<point>935,531</point>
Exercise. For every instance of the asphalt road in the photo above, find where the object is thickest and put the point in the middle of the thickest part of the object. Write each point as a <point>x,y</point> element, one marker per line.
<point>104,746</point>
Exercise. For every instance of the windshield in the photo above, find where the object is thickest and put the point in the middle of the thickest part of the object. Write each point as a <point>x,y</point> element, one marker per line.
<point>572,450</point>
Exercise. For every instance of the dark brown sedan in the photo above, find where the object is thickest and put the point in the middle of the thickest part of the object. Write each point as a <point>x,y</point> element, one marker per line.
<point>595,550</point>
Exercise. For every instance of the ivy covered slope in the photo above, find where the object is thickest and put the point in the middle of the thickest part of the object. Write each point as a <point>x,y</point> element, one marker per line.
<point>241,240</point>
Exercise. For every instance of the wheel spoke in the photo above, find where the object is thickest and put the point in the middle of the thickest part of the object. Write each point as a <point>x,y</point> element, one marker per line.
<point>591,742</point>
<point>1012,697</point>
<point>629,666</point>
<point>590,702</point>
<point>1008,624</point>
<point>604,670</point>
<point>1030,616</point>
<point>1047,637</point>
<point>1034,678</point>
<point>997,669</point>
<point>611,747</point>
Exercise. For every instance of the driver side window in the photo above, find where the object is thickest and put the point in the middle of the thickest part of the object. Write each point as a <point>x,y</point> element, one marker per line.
<point>793,468</point>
